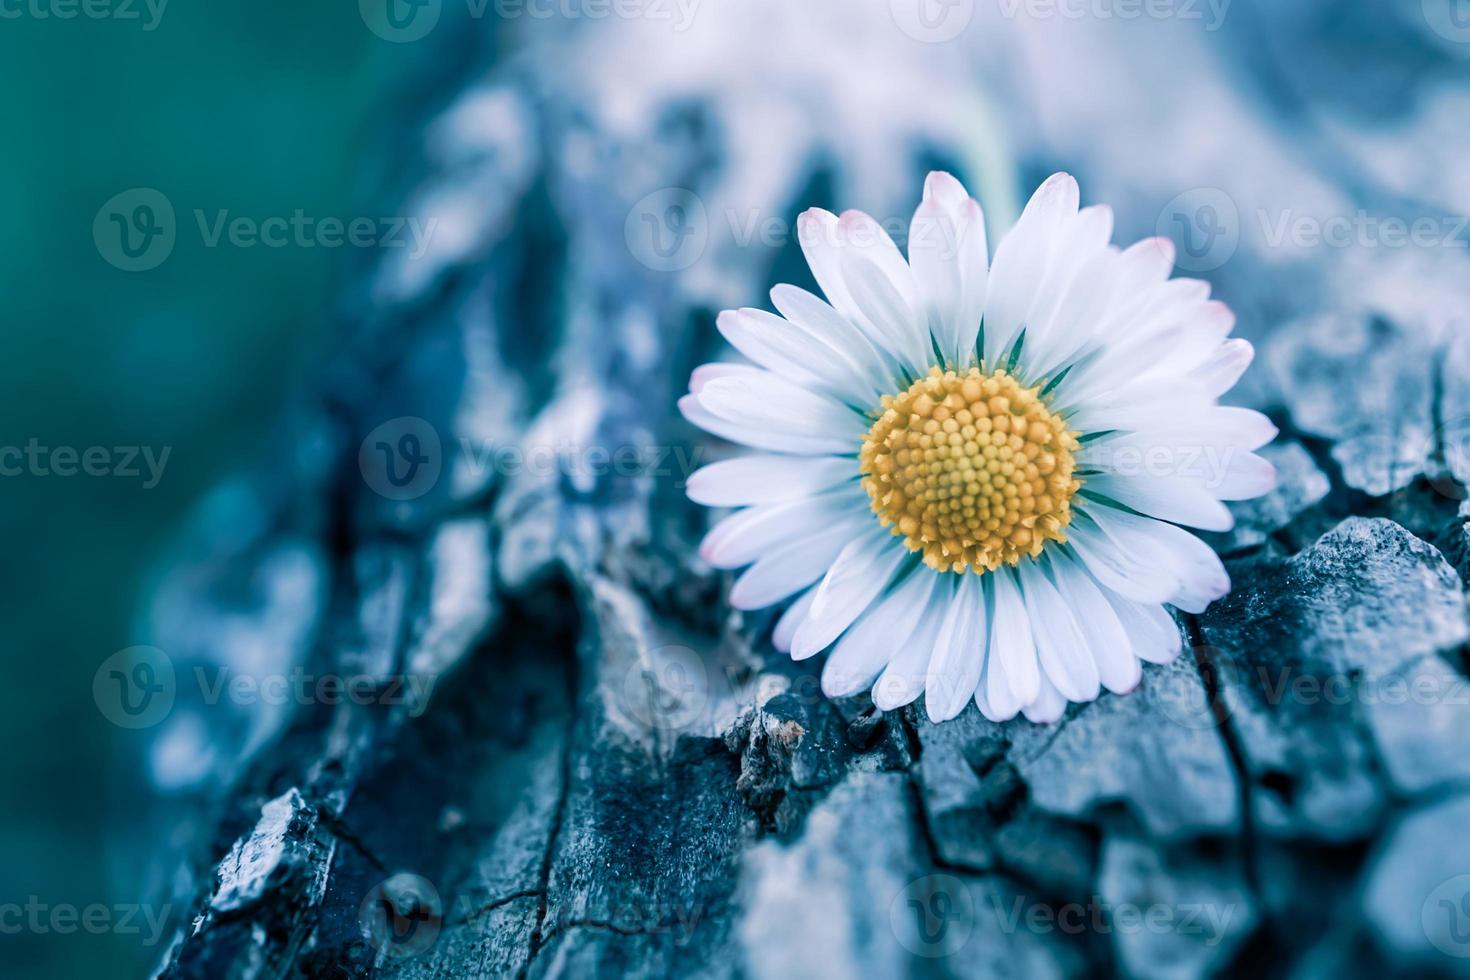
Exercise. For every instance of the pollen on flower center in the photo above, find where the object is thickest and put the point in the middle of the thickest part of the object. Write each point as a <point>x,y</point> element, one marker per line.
<point>970,469</point>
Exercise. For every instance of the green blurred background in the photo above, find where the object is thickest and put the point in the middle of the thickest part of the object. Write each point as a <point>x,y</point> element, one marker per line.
<point>260,108</point>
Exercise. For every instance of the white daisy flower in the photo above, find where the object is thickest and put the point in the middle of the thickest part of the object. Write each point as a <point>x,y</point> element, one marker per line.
<point>972,475</point>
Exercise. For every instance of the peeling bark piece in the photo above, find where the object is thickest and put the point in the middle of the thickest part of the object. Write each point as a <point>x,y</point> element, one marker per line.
<point>1302,642</point>
<point>462,603</point>
<point>1157,751</point>
<point>1366,597</point>
<point>265,898</point>
<point>1364,384</point>
<point>284,844</point>
<point>657,679</point>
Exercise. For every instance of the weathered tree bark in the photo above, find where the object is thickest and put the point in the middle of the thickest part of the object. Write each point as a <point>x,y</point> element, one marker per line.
<point>572,758</point>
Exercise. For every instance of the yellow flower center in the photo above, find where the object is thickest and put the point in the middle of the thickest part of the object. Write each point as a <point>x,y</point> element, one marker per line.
<point>970,469</point>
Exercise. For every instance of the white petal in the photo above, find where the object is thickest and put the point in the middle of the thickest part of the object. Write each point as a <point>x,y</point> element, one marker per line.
<point>893,323</point>
<point>836,331</point>
<point>1202,578</point>
<point>1141,301</point>
<point>765,343</point>
<point>1080,315</point>
<point>1219,372</point>
<point>975,274</point>
<point>934,257</point>
<point>817,232</point>
<point>950,259</point>
<point>877,636</point>
<point>1243,427</point>
<point>1176,500</point>
<point>1081,238</point>
<point>865,236</point>
<point>795,354</point>
<point>748,534</point>
<point>946,190</point>
<point>903,679</point>
<point>859,574</point>
<point>1021,261</point>
<point>794,566</point>
<point>994,696</point>
<point>697,415</point>
<point>706,373</point>
<point>1048,706</point>
<point>982,700</point>
<point>1179,459</point>
<point>1246,477</point>
<point>792,618</point>
<point>782,416</point>
<point>830,244</point>
<point>1124,572</point>
<point>761,478</point>
<point>959,653</point>
<point>748,435</point>
<point>1177,338</point>
<point>1012,648</point>
<point>1153,632</point>
<point>1182,441</point>
<point>1111,648</point>
<point>1147,262</point>
<point>1060,643</point>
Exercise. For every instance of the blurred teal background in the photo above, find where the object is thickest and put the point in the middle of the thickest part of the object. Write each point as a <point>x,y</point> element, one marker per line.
<point>262,109</point>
